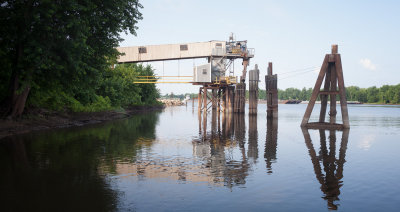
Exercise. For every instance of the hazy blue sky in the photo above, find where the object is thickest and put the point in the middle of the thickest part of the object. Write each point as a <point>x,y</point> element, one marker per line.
<point>294,35</point>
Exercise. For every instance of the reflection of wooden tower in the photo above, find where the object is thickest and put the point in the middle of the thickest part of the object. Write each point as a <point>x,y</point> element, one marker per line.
<point>271,83</point>
<point>332,71</point>
<point>331,181</point>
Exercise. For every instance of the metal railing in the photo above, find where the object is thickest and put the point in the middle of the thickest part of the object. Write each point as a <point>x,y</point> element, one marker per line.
<point>163,79</point>
<point>233,51</point>
<point>225,80</point>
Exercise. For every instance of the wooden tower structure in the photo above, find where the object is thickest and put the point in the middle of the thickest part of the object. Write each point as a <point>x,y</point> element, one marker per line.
<point>332,72</point>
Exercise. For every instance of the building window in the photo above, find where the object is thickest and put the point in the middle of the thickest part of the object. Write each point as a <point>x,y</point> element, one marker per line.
<point>218,45</point>
<point>142,50</point>
<point>204,71</point>
<point>184,47</point>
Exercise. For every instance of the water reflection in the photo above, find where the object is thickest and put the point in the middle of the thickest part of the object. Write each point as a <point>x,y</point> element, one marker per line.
<point>333,167</point>
<point>66,170</point>
<point>252,151</point>
<point>271,143</point>
<point>219,156</point>
<point>216,149</point>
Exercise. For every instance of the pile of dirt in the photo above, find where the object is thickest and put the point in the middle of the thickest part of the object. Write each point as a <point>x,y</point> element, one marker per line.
<point>172,102</point>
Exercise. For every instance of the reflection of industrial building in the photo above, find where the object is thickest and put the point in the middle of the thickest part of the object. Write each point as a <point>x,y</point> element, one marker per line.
<point>219,156</point>
<point>333,168</point>
<point>216,148</point>
<point>271,142</point>
<point>177,169</point>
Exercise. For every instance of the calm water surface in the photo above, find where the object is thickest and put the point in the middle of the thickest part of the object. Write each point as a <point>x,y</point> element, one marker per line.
<point>174,161</point>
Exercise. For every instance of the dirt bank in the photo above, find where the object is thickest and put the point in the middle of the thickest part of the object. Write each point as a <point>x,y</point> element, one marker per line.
<point>41,119</point>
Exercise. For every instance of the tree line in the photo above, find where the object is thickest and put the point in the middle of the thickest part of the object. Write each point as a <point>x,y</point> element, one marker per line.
<point>387,94</point>
<point>60,55</point>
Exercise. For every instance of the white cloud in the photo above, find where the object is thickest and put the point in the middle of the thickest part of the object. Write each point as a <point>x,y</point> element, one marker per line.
<point>366,63</point>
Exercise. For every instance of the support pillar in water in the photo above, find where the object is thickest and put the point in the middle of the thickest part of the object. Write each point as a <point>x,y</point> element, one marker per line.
<point>205,100</point>
<point>240,97</point>
<point>253,90</point>
<point>214,98</point>
<point>199,99</point>
<point>271,83</point>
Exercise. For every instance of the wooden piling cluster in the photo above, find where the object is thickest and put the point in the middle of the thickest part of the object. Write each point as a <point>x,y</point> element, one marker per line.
<point>271,84</point>
<point>332,72</point>
<point>219,99</point>
<point>253,89</point>
<point>240,98</point>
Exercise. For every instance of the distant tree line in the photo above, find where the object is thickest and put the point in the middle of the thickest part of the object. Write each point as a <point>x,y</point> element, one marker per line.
<point>387,94</point>
<point>59,55</point>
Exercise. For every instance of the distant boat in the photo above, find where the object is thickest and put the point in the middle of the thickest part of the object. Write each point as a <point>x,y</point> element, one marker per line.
<point>290,101</point>
<point>353,102</point>
<point>319,102</point>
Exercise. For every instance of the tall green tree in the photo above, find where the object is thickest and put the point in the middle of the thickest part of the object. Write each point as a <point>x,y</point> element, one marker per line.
<point>59,44</point>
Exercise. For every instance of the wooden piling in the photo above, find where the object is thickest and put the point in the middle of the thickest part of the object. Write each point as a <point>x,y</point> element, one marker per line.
<point>240,98</point>
<point>253,90</point>
<point>332,112</point>
<point>271,84</point>
<point>199,100</point>
<point>205,101</point>
<point>342,92</point>
<point>223,98</point>
<point>214,99</point>
<point>231,98</point>
<point>218,101</point>
<point>324,97</point>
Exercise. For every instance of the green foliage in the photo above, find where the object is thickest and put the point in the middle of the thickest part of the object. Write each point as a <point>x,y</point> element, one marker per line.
<point>294,93</point>
<point>118,85</point>
<point>148,92</point>
<point>387,94</point>
<point>115,89</point>
<point>63,50</point>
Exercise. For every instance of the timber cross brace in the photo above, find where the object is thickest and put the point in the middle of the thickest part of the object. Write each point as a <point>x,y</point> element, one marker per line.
<point>332,72</point>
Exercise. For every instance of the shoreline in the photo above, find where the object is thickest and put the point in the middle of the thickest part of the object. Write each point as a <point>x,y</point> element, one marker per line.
<point>262,101</point>
<point>41,119</point>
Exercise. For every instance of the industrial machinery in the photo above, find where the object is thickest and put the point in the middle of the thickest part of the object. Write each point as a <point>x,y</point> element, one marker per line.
<point>214,75</point>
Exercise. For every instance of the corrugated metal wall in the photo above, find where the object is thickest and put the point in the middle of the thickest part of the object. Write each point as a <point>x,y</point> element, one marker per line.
<point>171,51</point>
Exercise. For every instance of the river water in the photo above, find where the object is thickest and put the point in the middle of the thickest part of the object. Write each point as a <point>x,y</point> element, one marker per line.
<point>174,161</point>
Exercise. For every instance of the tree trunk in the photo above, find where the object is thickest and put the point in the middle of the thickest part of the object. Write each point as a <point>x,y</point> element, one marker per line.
<point>17,95</point>
<point>15,103</point>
